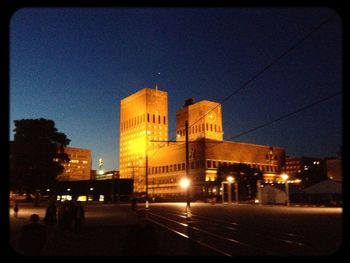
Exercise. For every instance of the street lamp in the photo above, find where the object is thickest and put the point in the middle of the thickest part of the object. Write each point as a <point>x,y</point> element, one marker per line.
<point>285,178</point>
<point>230,181</point>
<point>185,183</point>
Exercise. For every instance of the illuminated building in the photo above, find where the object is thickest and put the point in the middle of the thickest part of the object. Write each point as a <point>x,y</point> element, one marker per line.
<point>209,127</point>
<point>143,119</point>
<point>168,166</point>
<point>79,166</point>
<point>141,124</point>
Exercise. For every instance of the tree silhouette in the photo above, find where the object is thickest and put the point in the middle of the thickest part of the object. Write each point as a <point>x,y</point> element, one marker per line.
<point>245,175</point>
<point>35,154</point>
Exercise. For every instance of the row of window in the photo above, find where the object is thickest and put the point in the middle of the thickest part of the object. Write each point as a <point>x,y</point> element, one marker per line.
<point>77,161</point>
<point>143,129</point>
<point>264,168</point>
<point>200,164</point>
<point>77,156</point>
<point>75,171</point>
<point>149,118</point>
<point>169,180</point>
<point>175,167</point>
<point>199,128</point>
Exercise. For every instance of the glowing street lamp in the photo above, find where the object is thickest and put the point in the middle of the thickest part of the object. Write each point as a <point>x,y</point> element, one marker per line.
<point>185,183</point>
<point>285,178</point>
<point>230,180</point>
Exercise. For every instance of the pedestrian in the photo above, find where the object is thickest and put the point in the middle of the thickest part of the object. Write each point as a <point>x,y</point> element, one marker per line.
<point>141,239</point>
<point>65,217</point>
<point>79,217</point>
<point>32,237</point>
<point>16,209</point>
<point>50,218</point>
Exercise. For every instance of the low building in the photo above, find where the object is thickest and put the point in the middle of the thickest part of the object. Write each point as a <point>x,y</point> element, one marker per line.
<point>334,169</point>
<point>90,190</point>
<point>79,165</point>
<point>296,165</point>
<point>167,166</point>
<point>108,175</point>
<point>325,192</point>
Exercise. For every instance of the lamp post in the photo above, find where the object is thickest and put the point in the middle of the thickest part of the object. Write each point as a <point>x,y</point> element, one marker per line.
<point>285,178</point>
<point>236,192</point>
<point>258,188</point>
<point>146,181</point>
<point>185,183</point>
<point>188,206</point>
<point>229,180</point>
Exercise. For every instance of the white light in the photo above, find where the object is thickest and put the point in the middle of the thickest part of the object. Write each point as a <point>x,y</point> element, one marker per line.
<point>91,189</point>
<point>47,190</point>
<point>284,176</point>
<point>230,179</point>
<point>256,201</point>
<point>184,183</point>
<point>68,189</point>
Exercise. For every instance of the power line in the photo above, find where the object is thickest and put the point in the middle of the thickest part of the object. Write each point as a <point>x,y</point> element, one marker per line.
<point>263,70</point>
<point>274,61</point>
<point>286,115</point>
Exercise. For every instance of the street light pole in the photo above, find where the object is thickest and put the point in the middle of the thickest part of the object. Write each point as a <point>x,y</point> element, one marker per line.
<point>188,206</point>
<point>236,186</point>
<point>223,192</point>
<point>146,181</point>
<point>285,178</point>
<point>258,188</point>
<point>229,180</point>
<point>287,192</point>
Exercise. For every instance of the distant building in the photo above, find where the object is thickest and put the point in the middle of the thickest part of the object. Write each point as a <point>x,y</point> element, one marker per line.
<point>108,175</point>
<point>93,174</point>
<point>327,191</point>
<point>296,165</point>
<point>110,190</point>
<point>144,131</point>
<point>334,169</point>
<point>79,166</point>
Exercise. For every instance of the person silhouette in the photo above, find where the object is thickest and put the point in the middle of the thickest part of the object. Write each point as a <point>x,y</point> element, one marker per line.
<point>32,237</point>
<point>16,209</point>
<point>50,218</point>
<point>78,217</point>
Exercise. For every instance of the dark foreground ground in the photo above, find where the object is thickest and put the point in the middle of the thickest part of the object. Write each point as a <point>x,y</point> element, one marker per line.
<point>310,231</point>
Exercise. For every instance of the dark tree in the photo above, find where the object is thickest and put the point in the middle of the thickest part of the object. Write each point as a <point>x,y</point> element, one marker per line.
<point>245,175</point>
<point>36,154</point>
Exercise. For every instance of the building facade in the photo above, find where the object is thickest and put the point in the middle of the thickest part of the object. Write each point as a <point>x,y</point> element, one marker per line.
<point>143,121</point>
<point>296,165</point>
<point>79,166</point>
<point>168,165</point>
<point>334,169</point>
<point>143,127</point>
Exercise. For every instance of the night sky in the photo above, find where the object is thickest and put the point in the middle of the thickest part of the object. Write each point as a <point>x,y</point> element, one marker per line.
<point>75,65</point>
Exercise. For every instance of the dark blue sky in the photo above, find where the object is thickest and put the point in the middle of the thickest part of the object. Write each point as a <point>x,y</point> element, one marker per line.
<point>74,66</point>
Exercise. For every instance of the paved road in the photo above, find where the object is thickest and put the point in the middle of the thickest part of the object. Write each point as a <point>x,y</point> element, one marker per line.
<point>224,230</point>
